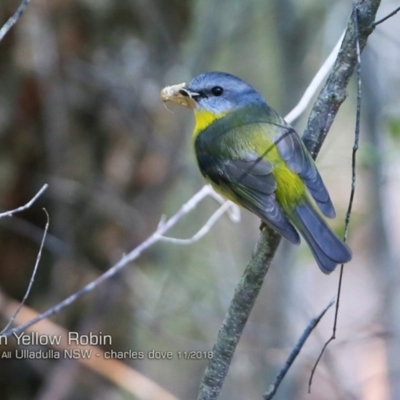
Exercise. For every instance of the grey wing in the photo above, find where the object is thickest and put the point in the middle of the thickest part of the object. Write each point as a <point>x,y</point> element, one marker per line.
<point>250,182</point>
<point>299,160</point>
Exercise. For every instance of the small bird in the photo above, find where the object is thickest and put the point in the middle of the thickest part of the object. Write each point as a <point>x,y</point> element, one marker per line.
<point>250,155</point>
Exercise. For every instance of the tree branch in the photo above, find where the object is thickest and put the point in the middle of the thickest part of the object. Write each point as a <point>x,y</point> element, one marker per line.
<point>163,227</point>
<point>295,352</point>
<point>27,205</point>
<point>13,19</point>
<point>394,12</point>
<point>238,313</point>
<point>351,199</point>
<point>322,115</point>
<point>334,93</point>
<point>35,268</point>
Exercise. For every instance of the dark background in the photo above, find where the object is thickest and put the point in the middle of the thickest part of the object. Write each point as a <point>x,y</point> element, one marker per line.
<point>80,110</point>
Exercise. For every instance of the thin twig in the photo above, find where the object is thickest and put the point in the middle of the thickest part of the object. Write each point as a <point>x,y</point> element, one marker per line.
<point>351,199</point>
<point>314,84</point>
<point>387,16</point>
<point>162,228</point>
<point>28,290</point>
<point>13,19</point>
<point>295,352</point>
<point>204,230</point>
<point>27,205</point>
<point>233,211</point>
<point>334,93</point>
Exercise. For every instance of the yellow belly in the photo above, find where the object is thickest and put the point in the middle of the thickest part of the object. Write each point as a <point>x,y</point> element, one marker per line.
<point>290,188</point>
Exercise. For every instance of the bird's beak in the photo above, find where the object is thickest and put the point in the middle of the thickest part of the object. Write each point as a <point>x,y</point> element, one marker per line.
<point>179,94</point>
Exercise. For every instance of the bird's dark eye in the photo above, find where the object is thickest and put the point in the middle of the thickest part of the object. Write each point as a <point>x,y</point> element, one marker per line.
<point>217,90</point>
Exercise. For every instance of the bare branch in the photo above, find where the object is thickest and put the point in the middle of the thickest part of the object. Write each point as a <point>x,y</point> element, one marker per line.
<point>390,15</point>
<point>233,211</point>
<point>205,229</point>
<point>238,313</point>
<point>28,290</point>
<point>162,228</point>
<point>13,19</point>
<point>295,352</point>
<point>27,205</point>
<point>352,193</point>
<point>333,94</point>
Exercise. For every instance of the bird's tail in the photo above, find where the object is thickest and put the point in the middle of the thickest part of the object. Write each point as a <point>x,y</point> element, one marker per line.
<point>327,248</point>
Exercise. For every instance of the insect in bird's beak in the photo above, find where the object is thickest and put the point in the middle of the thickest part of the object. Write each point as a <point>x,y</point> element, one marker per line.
<point>179,94</point>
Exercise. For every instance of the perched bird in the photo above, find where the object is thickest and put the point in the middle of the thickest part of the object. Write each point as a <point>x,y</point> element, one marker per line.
<point>254,158</point>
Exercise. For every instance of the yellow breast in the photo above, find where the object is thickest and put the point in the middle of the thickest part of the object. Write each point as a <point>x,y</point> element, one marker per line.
<point>203,119</point>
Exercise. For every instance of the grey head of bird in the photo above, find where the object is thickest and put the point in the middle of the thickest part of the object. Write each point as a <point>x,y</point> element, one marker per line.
<point>216,92</point>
